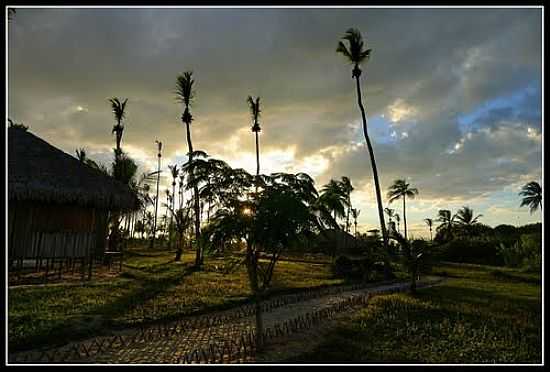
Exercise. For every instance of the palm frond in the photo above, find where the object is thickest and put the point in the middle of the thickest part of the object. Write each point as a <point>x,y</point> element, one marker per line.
<point>184,88</point>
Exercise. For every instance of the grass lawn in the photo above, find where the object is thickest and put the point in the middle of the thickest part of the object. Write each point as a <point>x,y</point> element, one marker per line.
<point>482,314</point>
<point>46,315</point>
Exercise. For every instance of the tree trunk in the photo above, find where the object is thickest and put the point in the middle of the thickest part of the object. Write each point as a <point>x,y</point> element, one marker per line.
<point>257,155</point>
<point>414,267</point>
<point>252,268</point>
<point>404,217</point>
<point>198,256</point>
<point>156,206</point>
<point>376,181</point>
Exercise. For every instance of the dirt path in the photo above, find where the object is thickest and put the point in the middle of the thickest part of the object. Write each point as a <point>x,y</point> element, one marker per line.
<point>181,340</point>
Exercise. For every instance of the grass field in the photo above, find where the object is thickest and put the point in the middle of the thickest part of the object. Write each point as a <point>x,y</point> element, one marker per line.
<point>481,314</point>
<point>46,315</point>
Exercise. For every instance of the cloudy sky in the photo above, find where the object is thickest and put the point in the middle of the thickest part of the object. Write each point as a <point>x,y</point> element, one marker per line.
<point>453,96</point>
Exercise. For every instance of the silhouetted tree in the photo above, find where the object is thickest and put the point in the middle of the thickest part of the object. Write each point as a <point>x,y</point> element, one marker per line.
<point>430,223</point>
<point>119,112</point>
<point>186,95</point>
<point>532,196</point>
<point>401,189</point>
<point>254,106</point>
<point>356,55</point>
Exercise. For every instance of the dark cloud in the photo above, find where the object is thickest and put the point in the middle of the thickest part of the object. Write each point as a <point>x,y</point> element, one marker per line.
<point>435,64</point>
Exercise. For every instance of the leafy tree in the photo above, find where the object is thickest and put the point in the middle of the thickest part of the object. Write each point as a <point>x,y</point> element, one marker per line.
<point>532,196</point>
<point>270,221</point>
<point>356,54</point>
<point>401,189</point>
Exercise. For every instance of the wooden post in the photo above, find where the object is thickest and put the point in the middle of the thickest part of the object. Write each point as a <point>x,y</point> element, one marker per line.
<point>91,262</point>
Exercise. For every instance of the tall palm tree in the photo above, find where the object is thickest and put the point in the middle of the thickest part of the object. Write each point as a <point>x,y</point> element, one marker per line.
<point>401,189</point>
<point>532,196</point>
<point>356,54</point>
<point>254,106</point>
<point>186,95</point>
<point>119,113</point>
<point>430,223</point>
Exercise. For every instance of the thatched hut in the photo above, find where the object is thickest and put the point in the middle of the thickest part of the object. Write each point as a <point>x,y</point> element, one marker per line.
<point>57,206</point>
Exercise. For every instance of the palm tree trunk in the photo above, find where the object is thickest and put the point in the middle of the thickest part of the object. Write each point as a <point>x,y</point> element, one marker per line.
<point>257,155</point>
<point>252,268</point>
<point>198,256</point>
<point>173,211</point>
<point>156,205</point>
<point>375,176</point>
<point>404,217</point>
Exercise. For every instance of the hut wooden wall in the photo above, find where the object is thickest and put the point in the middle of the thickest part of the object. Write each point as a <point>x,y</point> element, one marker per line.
<point>39,230</point>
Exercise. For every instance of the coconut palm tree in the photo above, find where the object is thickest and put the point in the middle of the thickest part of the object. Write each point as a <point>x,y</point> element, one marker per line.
<point>356,54</point>
<point>119,113</point>
<point>186,95</point>
<point>430,223</point>
<point>447,223</point>
<point>466,220</point>
<point>532,196</point>
<point>334,199</point>
<point>401,189</point>
<point>254,106</point>
<point>159,156</point>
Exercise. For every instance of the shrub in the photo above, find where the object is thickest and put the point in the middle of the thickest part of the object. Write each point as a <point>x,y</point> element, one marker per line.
<point>476,251</point>
<point>525,252</point>
<point>355,268</point>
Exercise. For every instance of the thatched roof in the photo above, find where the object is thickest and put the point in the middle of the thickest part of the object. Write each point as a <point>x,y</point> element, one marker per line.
<point>38,171</point>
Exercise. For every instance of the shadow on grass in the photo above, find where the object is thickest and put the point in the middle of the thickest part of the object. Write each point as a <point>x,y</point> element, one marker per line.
<point>452,323</point>
<point>100,319</point>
